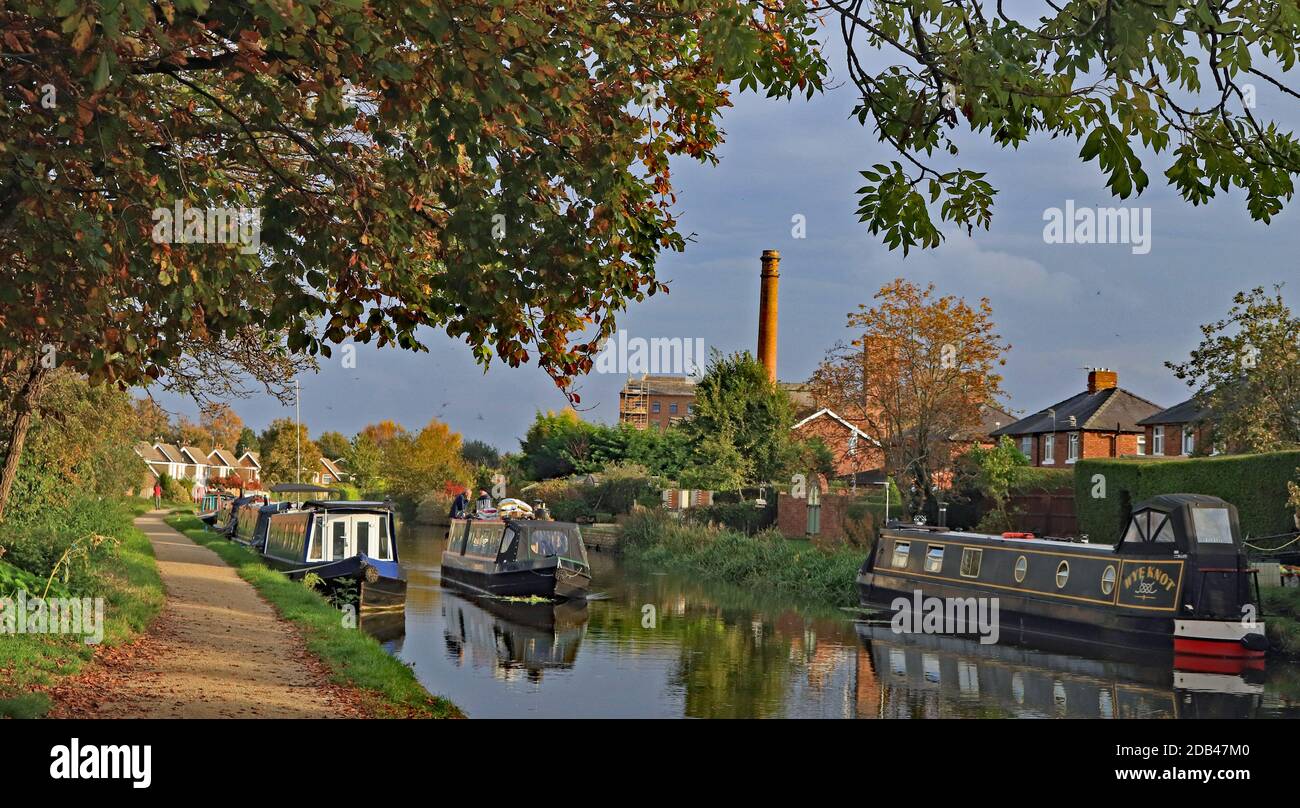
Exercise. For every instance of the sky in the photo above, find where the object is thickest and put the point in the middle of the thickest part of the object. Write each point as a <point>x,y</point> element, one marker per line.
<point>1062,307</point>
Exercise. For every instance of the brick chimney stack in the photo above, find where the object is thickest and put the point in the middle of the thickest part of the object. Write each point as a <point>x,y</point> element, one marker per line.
<point>767,311</point>
<point>1102,379</point>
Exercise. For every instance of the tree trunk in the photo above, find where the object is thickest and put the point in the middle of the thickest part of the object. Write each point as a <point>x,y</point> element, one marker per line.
<point>24,403</point>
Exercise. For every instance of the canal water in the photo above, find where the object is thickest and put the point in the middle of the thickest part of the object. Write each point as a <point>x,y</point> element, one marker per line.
<point>664,645</point>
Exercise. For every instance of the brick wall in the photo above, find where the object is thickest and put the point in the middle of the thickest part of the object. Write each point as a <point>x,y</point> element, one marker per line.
<point>1092,443</point>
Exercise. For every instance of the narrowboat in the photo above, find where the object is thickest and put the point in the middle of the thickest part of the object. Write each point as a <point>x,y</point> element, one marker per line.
<point>347,543</point>
<point>1177,581</point>
<point>517,558</point>
<point>210,509</point>
<point>252,522</point>
<point>228,515</point>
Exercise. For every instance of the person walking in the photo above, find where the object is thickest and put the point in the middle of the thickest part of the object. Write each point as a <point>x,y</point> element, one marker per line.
<point>157,494</point>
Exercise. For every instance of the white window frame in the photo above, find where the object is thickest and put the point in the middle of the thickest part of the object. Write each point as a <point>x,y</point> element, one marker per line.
<point>1072,452</point>
<point>1049,448</point>
<point>1142,444</point>
<point>1027,446</point>
<point>1189,440</point>
<point>1157,440</point>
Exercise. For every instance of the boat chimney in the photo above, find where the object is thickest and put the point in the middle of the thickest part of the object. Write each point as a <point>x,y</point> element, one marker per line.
<point>767,311</point>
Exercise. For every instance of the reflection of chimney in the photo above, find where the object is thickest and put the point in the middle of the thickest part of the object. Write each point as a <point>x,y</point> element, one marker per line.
<point>1102,379</point>
<point>767,311</point>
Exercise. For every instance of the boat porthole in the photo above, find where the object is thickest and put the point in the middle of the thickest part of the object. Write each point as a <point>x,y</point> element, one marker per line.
<point>1062,574</point>
<point>1108,580</point>
<point>1022,566</point>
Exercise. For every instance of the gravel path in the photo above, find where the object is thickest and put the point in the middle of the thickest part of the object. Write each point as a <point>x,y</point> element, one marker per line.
<point>217,651</point>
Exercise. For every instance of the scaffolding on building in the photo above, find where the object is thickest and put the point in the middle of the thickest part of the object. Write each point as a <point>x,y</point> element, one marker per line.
<point>634,403</point>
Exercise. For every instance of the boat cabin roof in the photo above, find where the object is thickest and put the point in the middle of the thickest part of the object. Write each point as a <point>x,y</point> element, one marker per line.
<point>348,505</point>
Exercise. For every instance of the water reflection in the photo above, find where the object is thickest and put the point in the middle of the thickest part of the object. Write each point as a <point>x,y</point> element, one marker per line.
<point>666,646</point>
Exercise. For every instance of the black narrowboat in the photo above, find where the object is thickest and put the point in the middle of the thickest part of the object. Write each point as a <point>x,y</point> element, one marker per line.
<point>517,558</point>
<point>347,543</point>
<point>1178,580</point>
<point>252,522</point>
<point>228,517</point>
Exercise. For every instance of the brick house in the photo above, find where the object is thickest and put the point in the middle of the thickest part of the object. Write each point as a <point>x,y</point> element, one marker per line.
<point>853,450</point>
<point>1179,431</point>
<point>656,401</point>
<point>1101,421</point>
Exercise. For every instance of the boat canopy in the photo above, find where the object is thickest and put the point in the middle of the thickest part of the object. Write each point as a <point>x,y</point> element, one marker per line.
<point>1187,522</point>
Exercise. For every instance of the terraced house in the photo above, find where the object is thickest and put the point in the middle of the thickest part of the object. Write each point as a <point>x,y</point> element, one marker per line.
<point>192,463</point>
<point>1104,420</point>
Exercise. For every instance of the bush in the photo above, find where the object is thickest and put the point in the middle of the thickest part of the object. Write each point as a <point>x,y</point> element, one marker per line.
<point>37,544</point>
<point>765,560</point>
<point>742,517</point>
<point>1256,484</point>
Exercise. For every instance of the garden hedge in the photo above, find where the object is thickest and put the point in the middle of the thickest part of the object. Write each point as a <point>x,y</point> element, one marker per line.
<point>1256,484</point>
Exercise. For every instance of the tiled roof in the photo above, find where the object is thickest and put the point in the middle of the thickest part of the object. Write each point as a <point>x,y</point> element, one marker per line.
<point>171,453</point>
<point>257,461</point>
<point>196,454</point>
<point>1184,412</point>
<point>223,459</point>
<point>1106,409</point>
<point>149,453</point>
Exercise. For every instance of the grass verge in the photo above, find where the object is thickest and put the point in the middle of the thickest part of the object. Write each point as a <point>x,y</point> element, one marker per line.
<point>125,577</point>
<point>353,657</point>
<point>765,560</point>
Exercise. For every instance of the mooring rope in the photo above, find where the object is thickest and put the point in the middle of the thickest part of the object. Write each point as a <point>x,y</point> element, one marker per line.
<point>1275,536</point>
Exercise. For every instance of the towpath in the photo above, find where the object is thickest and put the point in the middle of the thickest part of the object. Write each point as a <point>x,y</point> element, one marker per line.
<point>217,650</point>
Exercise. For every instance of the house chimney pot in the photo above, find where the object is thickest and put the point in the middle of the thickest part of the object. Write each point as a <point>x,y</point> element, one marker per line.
<point>767,311</point>
<point>1102,379</point>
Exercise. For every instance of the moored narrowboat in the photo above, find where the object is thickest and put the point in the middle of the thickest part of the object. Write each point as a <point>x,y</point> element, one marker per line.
<point>347,543</point>
<point>228,515</point>
<point>1178,580</point>
<point>252,522</point>
<point>210,508</point>
<point>517,558</point>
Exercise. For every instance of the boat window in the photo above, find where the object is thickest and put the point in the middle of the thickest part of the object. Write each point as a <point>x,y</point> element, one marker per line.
<point>507,539</point>
<point>548,543</point>
<point>383,539</point>
<point>1108,580</point>
<point>340,529</point>
<point>317,545</point>
<point>484,539</point>
<point>1213,525</point>
<point>934,558</point>
<point>902,550</point>
<point>1022,566</point>
<point>971,557</point>
<point>1165,533</point>
<point>1062,574</point>
<point>363,536</point>
<point>1134,532</point>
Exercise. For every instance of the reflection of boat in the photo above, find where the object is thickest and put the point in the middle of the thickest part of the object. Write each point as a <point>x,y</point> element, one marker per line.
<point>384,625</point>
<point>345,542</point>
<point>937,675</point>
<point>517,557</point>
<point>532,636</point>
<point>1178,580</point>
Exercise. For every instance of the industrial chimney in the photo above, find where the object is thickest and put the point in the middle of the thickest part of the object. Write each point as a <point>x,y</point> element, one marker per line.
<point>767,311</point>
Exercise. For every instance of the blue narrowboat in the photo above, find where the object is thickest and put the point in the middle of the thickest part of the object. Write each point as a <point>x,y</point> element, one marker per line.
<point>345,542</point>
<point>252,523</point>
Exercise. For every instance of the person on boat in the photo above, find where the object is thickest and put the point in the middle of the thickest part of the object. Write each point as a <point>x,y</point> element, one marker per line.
<point>157,494</point>
<point>484,501</point>
<point>459,506</point>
